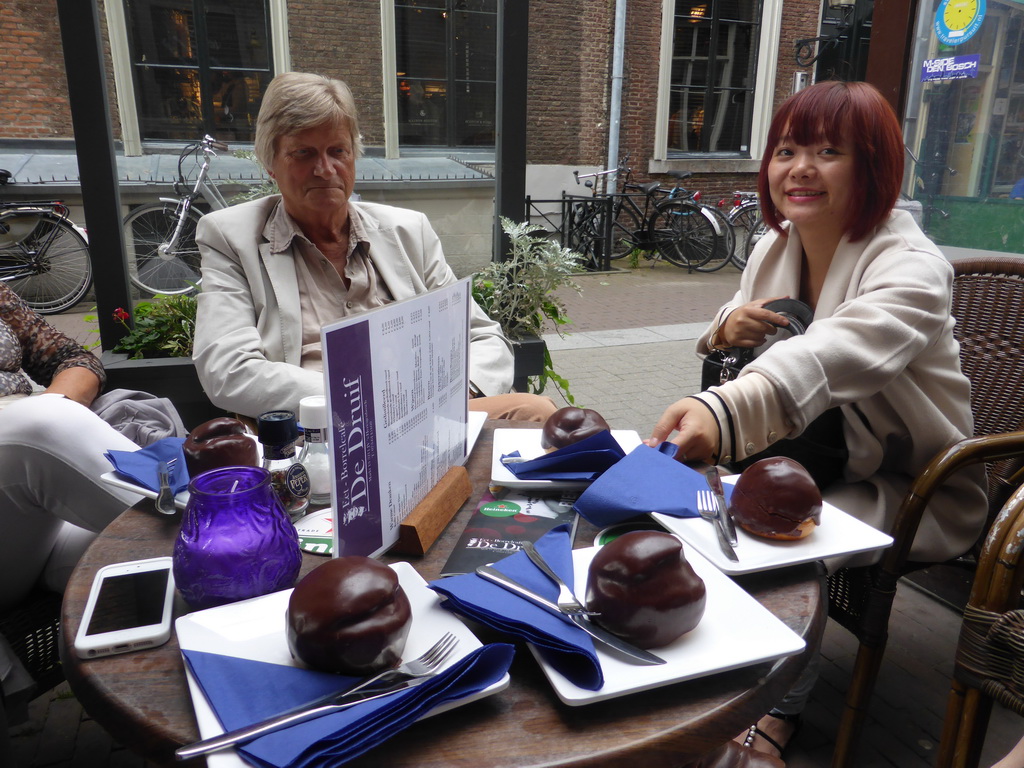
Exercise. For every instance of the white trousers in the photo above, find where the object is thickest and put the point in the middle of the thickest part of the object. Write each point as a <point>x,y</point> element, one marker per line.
<point>52,501</point>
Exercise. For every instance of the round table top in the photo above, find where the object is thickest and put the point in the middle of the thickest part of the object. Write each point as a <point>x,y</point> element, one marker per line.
<point>143,700</point>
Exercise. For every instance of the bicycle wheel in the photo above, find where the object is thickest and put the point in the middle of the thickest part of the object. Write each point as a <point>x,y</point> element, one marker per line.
<point>44,260</point>
<point>744,221</point>
<point>151,267</point>
<point>726,241</point>
<point>682,233</point>
<point>758,230</point>
<point>583,233</point>
<point>626,227</point>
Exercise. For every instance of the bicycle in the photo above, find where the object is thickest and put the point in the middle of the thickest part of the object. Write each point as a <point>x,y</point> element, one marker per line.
<point>743,215</point>
<point>44,256</point>
<point>669,225</point>
<point>160,238</point>
<point>757,230</point>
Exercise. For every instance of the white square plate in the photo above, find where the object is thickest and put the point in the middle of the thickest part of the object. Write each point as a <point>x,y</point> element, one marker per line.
<point>736,631</point>
<point>838,534</point>
<point>255,629</point>
<point>527,442</point>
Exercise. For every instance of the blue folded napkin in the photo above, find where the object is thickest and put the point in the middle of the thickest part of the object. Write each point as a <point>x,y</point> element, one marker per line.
<point>647,480</point>
<point>140,466</point>
<point>243,691</point>
<point>563,645</point>
<point>584,460</point>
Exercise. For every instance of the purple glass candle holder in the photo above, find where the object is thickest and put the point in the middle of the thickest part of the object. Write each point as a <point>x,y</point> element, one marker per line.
<point>236,540</point>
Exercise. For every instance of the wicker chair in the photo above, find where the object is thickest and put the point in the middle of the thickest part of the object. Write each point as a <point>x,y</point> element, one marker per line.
<point>989,663</point>
<point>32,630</point>
<point>988,303</point>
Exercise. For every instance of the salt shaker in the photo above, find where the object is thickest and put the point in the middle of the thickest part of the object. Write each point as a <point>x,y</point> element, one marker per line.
<point>278,432</point>
<point>315,456</point>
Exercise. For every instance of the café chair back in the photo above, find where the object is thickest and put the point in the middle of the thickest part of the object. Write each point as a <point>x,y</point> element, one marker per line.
<point>31,629</point>
<point>988,304</point>
<point>989,661</point>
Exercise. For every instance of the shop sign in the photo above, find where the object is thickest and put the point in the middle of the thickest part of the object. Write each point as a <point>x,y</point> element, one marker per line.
<point>951,68</point>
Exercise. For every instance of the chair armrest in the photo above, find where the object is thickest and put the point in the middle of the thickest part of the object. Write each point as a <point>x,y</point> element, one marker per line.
<point>973,450</point>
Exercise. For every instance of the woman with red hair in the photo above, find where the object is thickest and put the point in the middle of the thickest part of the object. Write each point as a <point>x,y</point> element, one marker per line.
<point>879,361</point>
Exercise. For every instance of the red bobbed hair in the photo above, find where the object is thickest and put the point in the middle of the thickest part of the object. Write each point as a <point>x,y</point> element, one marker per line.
<point>833,111</point>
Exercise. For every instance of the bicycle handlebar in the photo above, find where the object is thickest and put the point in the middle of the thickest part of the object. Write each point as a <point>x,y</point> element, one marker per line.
<point>209,142</point>
<point>577,175</point>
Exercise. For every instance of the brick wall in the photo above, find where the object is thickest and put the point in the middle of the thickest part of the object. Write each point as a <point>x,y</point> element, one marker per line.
<point>33,90</point>
<point>341,38</point>
<point>569,69</point>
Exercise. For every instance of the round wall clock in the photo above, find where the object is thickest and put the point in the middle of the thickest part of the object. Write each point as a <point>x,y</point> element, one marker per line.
<point>956,21</point>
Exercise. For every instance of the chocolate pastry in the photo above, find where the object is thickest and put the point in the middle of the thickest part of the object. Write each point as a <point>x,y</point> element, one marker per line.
<point>776,498</point>
<point>570,425</point>
<point>349,616</point>
<point>219,442</point>
<point>644,589</point>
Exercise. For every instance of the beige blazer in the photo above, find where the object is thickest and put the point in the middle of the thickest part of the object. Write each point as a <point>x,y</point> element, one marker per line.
<point>248,323</point>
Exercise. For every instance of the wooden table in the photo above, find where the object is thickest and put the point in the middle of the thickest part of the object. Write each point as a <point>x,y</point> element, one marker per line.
<point>142,698</point>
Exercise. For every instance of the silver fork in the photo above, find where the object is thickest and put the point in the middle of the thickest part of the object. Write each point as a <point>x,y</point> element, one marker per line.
<point>567,602</point>
<point>707,506</point>
<point>165,498</point>
<point>385,683</point>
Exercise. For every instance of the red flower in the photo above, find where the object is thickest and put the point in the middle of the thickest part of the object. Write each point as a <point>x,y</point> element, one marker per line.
<point>121,316</point>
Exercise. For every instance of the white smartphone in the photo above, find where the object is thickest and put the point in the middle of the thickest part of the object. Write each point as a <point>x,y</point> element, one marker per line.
<point>129,608</point>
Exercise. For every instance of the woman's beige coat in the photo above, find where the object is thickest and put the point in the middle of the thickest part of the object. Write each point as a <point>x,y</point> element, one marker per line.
<point>882,347</point>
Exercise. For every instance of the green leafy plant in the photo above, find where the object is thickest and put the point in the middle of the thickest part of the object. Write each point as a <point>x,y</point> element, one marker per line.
<point>519,292</point>
<point>255,191</point>
<point>165,326</point>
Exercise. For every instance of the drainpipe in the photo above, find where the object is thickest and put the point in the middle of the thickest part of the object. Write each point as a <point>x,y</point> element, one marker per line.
<point>615,106</point>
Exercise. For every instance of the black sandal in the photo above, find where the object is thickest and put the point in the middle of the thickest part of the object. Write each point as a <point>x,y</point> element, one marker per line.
<point>753,732</point>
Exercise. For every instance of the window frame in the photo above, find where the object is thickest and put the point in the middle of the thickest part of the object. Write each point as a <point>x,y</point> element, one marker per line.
<point>764,88</point>
<point>120,53</point>
<point>389,59</point>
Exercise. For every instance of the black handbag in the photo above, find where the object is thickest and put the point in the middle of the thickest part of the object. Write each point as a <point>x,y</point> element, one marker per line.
<point>821,447</point>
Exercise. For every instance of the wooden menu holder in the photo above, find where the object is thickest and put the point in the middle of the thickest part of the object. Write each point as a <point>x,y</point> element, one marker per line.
<point>428,519</point>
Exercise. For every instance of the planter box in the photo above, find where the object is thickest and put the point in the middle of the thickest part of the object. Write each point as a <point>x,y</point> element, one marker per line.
<point>529,360</point>
<point>172,377</point>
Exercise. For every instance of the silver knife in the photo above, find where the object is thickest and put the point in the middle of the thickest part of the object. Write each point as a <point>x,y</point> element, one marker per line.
<point>325,705</point>
<point>581,621</point>
<point>714,481</point>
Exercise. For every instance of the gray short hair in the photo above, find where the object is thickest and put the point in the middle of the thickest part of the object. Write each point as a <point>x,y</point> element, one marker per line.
<point>296,101</point>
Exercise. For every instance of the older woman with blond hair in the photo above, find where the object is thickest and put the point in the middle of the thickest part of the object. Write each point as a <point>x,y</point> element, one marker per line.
<point>277,269</point>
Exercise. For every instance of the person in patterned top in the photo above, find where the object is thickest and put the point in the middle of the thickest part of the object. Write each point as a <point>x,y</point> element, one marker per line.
<point>52,501</point>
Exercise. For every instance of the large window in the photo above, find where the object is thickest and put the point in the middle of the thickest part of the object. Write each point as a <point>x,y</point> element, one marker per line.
<point>712,77</point>
<point>198,66</point>
<point>446,70</point>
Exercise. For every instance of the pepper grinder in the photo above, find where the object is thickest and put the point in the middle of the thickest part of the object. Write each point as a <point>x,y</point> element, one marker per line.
<point>279,432</point>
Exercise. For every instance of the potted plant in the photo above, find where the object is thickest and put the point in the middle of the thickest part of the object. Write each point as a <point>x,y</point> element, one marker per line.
<point>156,356</point>
<point>519,294</point>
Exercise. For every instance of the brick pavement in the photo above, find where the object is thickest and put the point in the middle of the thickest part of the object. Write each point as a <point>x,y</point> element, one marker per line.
<point>629,354</point>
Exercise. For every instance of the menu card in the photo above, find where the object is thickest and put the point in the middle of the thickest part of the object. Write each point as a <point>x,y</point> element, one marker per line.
<point>503,520</point>
<point>397,382</point>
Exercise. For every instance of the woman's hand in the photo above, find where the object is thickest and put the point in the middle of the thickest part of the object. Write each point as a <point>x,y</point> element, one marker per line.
<point>77,383</point>
<point>750,325</point>
<point>698,435</point>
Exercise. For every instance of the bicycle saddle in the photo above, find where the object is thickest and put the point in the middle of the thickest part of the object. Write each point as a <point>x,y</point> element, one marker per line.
<point>649,187</point>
